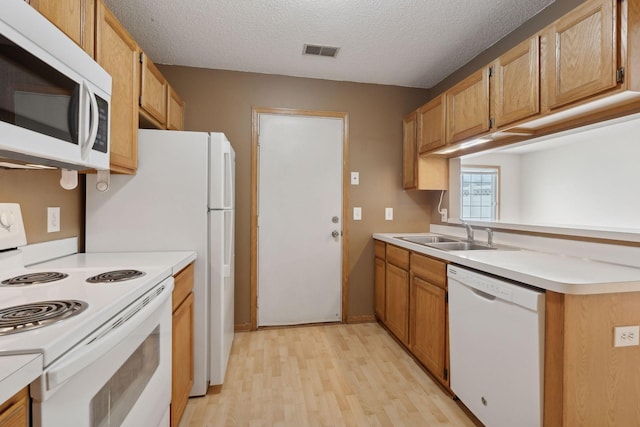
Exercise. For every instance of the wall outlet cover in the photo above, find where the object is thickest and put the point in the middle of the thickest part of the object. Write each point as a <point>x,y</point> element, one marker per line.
<point>53,220</point>
<point>625,336</point>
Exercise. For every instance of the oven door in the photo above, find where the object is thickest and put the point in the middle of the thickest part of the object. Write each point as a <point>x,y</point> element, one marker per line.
<point>119,376</point>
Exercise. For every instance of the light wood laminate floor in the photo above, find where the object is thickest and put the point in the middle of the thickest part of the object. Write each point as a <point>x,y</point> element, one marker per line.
<point>329,375</point>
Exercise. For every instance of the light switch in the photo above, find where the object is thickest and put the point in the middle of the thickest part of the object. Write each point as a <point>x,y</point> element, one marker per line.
<point>388,214</point>
<point>357,214</point>
<point>355,178</point>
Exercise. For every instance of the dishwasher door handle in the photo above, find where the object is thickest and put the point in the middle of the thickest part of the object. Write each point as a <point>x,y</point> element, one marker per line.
<point>483,295</point>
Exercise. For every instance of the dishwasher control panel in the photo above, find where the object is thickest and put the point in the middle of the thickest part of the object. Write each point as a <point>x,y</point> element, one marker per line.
<point>506,291</point>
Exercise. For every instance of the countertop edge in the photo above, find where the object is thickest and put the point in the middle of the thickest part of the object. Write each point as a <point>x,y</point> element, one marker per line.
<point>18,371</point>
<point>536,281</point>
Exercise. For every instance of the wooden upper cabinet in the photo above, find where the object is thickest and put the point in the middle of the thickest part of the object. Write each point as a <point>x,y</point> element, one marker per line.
<point>467,105</point>
<point>409,152</point>
<point>175,110</point>
<point>153,93</point>
<point>581,53</point>
<point>516,83</point>
<point>76,18</point>
<point>118,53</point>
<point>431,125</point>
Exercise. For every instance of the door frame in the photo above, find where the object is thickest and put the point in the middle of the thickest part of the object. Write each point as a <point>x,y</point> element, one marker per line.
<point>255,120</point>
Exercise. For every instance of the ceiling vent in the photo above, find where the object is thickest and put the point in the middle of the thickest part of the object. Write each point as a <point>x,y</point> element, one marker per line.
<point>314,49</point>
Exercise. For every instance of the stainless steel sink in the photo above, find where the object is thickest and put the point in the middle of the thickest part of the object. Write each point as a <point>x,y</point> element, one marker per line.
<point>428,240</point>
<point>460,246</point>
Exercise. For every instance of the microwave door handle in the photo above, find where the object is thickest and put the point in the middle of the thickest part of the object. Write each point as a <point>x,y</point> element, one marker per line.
<point>105,339</point>
<point>93,132</point>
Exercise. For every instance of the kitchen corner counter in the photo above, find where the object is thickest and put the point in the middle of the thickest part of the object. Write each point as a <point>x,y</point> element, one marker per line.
<point>554,272</point>
<point>17,372</point>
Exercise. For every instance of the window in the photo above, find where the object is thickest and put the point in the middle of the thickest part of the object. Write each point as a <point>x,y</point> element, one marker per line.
<point>479,193</point>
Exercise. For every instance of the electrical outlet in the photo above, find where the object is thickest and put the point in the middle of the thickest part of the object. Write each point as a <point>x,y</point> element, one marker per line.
<point>357,214</point>
<point>53,220</point>
<point>388,214</point>
<point>625,336</point>
<point>445,216</point>
<point>355,178</point>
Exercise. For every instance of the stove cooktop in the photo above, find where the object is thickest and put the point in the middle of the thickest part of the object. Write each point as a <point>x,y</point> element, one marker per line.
<point>57,286</point>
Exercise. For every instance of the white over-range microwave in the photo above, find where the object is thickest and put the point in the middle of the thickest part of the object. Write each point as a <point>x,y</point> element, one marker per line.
<point>54,98</point>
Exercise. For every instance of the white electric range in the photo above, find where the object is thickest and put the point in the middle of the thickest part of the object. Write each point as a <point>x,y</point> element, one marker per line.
<point>102,323</point>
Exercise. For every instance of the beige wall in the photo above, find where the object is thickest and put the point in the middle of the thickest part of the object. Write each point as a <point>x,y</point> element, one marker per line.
<point>222,101</point>
<point>36,190</point>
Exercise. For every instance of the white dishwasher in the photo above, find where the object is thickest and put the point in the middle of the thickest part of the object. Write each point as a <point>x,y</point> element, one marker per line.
<point>496,335</point>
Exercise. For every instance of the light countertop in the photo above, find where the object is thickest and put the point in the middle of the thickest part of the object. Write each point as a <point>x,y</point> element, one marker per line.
<point>176,261</point>
<point>558,273</point>
<point>17,372</point>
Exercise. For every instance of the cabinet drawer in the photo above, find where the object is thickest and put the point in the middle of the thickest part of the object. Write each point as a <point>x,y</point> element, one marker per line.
<point>183,285</point>
<point>398,256</point>
<point>429,269</point>
<point>379,249</point>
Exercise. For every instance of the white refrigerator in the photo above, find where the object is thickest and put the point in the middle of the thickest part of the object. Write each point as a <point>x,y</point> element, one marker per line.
<point>181,198</point>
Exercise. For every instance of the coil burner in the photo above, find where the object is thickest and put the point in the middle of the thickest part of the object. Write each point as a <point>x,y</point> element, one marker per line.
<point>34,278</point>
<point>21,318</point>
<point>115,276</point>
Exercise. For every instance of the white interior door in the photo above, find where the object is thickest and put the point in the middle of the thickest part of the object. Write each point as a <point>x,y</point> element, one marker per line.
<point>299,207</point>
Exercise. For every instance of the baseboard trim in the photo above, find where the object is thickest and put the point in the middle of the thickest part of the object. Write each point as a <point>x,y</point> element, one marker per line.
<point>365,318</point>
<point>242,327</point>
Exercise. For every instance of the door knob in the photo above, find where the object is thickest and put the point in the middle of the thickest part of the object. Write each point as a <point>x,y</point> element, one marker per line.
<point>334,233</point>
<point>335,219</point>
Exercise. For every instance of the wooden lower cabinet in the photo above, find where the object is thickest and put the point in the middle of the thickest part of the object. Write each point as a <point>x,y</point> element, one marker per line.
<point>15,411</point>
<point>428,323</point>
<point>182,345</point>
<point>396,305</point>
<point>415,308</point>
<point>379,282</point>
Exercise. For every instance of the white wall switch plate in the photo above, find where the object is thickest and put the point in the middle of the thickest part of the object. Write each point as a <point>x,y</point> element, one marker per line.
<point>53,220</point>
<point>625,336</point>
<point>355,178</point>
<point>357,214</point>
<point>388,214</point>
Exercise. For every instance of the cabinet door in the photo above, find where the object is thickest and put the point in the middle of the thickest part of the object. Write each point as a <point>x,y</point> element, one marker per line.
<point>409,152</point>
<point>182,363</point>
<point>15,411</point>
<point>581,57</point>
<point>379,288</point>
<point>467,105</point>
<point>516,83</point>
<point>118,53</point>
<point>76,18</point>
<point>428,326</point>
<point>153,93</point>
<point>397,302</point>
<point>431,122</point>
<point>175,110</point>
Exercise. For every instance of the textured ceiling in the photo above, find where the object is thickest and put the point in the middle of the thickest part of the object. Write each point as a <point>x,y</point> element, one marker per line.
<point>414,43</point>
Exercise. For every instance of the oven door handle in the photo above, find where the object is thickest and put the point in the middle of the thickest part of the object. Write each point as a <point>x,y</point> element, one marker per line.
<point>108,336</point>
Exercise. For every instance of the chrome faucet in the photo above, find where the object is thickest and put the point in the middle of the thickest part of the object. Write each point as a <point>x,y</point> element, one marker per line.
<point>469,231</point>
<point>489,236</point>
